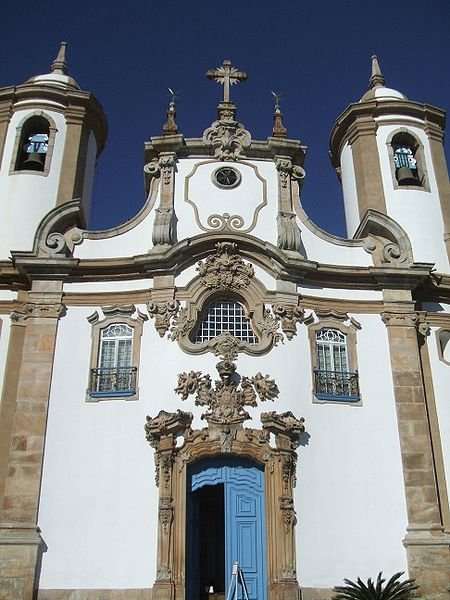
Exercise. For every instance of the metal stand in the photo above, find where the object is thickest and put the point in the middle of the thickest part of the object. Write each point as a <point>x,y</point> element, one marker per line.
<point>233,588</point>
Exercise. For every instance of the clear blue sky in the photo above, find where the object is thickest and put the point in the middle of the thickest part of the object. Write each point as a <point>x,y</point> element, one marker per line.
<point>317,53</point>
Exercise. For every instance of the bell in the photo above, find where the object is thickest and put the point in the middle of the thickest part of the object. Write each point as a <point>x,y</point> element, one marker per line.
<point>406,176</point>
<point>34,162</point>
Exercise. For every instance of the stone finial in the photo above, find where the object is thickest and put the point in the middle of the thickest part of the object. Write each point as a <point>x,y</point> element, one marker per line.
<point>279,130</point>
<point>377,77</point>
<point>170,127</point>
<point>59,65</point>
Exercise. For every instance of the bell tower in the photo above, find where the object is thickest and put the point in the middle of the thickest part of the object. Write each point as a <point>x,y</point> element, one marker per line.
<point>51,133</point>
<point>388,153</point>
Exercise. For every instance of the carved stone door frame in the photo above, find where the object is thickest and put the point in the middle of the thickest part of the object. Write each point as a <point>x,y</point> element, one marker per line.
<point>279,464</point>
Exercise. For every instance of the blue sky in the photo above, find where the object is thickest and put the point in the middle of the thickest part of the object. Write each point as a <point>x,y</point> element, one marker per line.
<point>317,53</point>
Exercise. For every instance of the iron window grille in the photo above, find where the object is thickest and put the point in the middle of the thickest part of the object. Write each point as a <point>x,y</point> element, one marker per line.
<point>225,315</point>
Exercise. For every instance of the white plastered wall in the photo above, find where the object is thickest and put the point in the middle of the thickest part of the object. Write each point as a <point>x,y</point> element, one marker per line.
<point>441,382</point>
<point>416,210</point>
<point>349,190</point>
<point>98,509</point>
<point>27,197</point>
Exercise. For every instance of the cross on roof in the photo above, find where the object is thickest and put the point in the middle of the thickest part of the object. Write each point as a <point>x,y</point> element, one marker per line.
<point>226,75</point>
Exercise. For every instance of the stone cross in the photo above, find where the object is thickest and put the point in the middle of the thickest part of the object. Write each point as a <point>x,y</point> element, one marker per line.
<point>226,75</point>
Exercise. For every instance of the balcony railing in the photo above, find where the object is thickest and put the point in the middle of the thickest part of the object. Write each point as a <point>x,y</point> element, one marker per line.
<point>336,385</point>
<point>116,381</point>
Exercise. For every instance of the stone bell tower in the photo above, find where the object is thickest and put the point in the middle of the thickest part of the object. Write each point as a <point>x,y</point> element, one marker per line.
<point>388,152</point>
<point>51,133</point>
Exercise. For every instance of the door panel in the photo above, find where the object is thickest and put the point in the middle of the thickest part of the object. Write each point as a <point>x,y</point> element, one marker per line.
<point>244,516</point>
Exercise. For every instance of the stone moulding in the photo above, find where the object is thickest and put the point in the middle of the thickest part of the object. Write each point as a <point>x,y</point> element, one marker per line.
<point>225,434</point>
<point>226,222</point>
<point>385,239</point>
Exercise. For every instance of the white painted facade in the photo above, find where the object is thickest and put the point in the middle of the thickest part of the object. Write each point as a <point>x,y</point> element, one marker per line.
<point>99,504</point>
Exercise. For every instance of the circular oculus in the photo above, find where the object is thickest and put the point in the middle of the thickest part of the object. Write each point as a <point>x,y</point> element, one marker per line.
<point>226,177</point>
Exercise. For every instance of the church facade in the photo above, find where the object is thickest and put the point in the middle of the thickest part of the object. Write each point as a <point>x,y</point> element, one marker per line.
<point>217,392</point>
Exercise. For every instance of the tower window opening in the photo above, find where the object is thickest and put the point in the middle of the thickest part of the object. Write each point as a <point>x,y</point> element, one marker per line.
<point>406,160</point>
<point>33,145</point>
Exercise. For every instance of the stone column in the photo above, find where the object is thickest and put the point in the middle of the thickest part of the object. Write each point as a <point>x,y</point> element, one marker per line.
<point>427,546</point>
<point>21,545</point>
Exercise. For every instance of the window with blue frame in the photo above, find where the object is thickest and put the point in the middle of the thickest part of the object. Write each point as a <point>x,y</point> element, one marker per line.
<point>333,377</point>
<point>115,374</point>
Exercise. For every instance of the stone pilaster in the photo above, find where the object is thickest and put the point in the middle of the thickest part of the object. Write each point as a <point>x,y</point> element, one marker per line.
<point>164,231</point>
<point>427,546</point>
<point>21,545</point>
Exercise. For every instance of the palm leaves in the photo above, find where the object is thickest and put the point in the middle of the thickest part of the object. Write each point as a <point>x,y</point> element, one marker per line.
<point>393,590</point>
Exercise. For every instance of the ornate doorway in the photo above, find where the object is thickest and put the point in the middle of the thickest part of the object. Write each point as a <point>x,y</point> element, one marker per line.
<point>225,524</point>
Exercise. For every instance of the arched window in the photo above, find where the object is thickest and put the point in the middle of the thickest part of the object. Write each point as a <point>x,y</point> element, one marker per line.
<point>33,145</point>
<point>407,160</point>
<point>225,314</point>
<point>115,373</point>
<point>115,353</point>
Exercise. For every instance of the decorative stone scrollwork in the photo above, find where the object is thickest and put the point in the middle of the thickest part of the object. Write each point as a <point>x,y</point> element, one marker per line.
<point>165,512</point>
<point>286,428</point>
<point>182,325</point>
<point>163,313</point>
<point>400,319</point>
<point>163,227</point>
<point>167,164</point>
<point>269,326</point>
<point>284,168</point>
<point>225,270</point>
<point>289,235</point>
<point>288,512</point>
<point>225,402</point>
<point>228,137</point>
<point>290,315</point>
<point>44,311</point>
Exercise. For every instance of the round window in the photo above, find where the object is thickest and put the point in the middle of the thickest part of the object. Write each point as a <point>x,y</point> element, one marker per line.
<point>226,177</point>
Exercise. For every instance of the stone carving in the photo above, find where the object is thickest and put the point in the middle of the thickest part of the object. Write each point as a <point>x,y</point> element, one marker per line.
<point>400,319</point>
<point>225,402</point>
<point>226,345</point>
<point>44,311</point>
<point>227,136</point>
<point>182,325</point>
<point>225,222</point>
<point>165,424</point>
<point>163,227</point>
<point>163,312</point>
<point>286,428</point>
<point>289,235</point>
<point>385,239</point>
<point>165,512</point>
<point>167,164</point>
<point>269,326</point>
<point>225,270</point>
<point>289,315</point>
<point>164,574</point>
<point>284,168</point>
<point>287,509</point>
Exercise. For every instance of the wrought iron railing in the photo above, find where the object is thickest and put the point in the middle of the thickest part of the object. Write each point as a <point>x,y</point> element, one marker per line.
<point>116,381</point>
<point>336,385</point>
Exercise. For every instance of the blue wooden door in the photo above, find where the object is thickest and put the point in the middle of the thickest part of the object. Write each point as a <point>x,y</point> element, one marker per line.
<point>244,515</point>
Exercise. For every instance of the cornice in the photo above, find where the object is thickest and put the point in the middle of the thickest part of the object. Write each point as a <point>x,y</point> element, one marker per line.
<point>83,103</point>
<point>286,266</point>
<point>196,148</point>
<point>359,113</point>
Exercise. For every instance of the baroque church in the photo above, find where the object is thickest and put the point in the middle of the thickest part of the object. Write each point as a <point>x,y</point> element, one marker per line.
<point>217,398</point>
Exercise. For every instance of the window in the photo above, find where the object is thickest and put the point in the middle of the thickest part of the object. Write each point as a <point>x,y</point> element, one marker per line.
<point>115,373</point>
<point>226,177</point>
<point>333,348</point>
<point>225,315</point>
<point>443,339</point>
<point>34,145</point>
<point>115,354</point>
<point>407,160</point>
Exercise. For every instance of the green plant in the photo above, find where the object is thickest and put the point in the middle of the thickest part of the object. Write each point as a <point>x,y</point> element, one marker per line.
<point>393,590</point>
